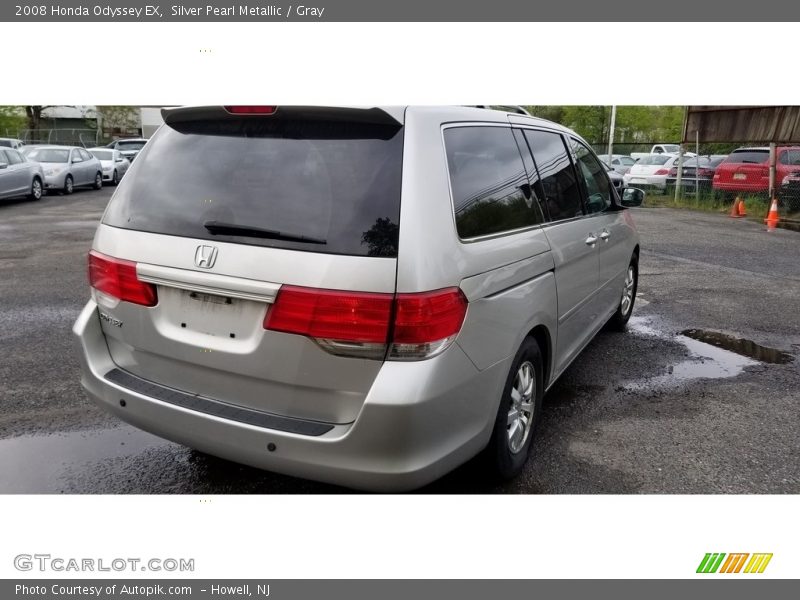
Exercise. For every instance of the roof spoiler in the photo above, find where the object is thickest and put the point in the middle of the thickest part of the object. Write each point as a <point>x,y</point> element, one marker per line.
<point>511,108</point>
<point>351,114</point>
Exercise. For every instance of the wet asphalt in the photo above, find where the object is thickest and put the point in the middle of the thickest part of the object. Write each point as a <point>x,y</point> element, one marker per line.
<point>646,411</point>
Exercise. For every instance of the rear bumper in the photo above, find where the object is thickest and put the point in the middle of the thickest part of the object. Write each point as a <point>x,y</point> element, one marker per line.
<point>690,183</point>
<point>419,421</point>
<point>737,186</point>
<point>656,181</point>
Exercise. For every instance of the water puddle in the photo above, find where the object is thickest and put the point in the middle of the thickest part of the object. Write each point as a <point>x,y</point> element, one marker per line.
<point>35,463</point>
<point>741,346</point>
<point>713,355</point>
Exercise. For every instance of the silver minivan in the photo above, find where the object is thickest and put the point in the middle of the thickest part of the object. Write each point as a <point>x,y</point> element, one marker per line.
<point>363,296</point>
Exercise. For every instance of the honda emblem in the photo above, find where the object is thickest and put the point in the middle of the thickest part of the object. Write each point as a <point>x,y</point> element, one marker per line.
<point>205,256</point>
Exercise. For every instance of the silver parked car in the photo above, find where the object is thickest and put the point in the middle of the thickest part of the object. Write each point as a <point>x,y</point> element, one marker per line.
<point>130,147</point>
<point>369,297</point>
<point>114,164</point>
<point>19,176</point>
<point>621,163</point>
<point>68,167</point>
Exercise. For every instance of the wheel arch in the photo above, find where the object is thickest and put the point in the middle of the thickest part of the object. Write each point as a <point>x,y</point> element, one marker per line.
<point>541,334</point>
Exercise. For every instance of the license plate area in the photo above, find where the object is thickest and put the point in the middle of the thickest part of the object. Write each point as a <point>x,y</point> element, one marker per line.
<point>214,315</point>
<point>740,176</point>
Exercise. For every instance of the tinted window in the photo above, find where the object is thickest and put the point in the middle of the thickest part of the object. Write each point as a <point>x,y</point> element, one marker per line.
<point>330,187</point>
<point>559,183</point>
<point>5,143</point>
<point>693,162</point>
<point>748,156</point>
<point>3,157</point>
<point>598,187</point>
<point>627,161</point>
<point>491,193</point>
<point>129,146</point>
<point>790,157</point>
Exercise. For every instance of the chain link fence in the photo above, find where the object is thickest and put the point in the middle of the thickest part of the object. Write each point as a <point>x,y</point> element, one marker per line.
<point>61,137</point>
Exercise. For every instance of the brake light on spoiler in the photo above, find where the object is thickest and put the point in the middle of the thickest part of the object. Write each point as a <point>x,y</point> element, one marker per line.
<point>251,110</point>
<point>371,325</point>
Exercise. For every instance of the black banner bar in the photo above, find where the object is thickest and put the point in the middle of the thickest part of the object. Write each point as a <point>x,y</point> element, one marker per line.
<point>711,586</point>
<point>406,11</point>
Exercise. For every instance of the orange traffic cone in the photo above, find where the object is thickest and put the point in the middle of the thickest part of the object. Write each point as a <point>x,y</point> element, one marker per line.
<point>742,211</point>
<point>736,209</point>
<point>772,218</point>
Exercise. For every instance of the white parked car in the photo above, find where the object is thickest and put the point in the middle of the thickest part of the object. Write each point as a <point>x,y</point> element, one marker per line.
<point>114,164</point>
<point>651,170</point>
<point>13,143</point>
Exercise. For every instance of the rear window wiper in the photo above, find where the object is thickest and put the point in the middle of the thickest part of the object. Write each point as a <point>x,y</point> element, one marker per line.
<point>219,228</point>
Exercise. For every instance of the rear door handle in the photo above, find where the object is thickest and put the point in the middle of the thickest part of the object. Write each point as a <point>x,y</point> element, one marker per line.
<point>591,240</point>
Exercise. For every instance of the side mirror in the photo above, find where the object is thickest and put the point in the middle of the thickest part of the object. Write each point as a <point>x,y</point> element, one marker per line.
<point>3,165</point>
<point>119,160</point>
<point>631,197</point>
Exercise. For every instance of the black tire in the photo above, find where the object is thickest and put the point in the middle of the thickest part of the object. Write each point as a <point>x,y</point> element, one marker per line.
<point>69,185</point>
<point>37,191</point>
<point>98,181</point>
<point>115,178</point>
<point>620,318</point>
<point>502,461</point>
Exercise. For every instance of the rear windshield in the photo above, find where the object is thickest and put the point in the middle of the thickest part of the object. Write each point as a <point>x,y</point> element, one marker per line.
<point>331,187</point>
<point>748,156</point>
<point>130,145</point>
<point>653,159</point>
<point>103,154</point>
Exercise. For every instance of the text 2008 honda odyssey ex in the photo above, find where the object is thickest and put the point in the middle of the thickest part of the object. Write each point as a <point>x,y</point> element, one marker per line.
<point>368,297</point>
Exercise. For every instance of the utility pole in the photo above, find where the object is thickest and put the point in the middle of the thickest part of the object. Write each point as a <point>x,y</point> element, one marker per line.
<point>611,132</point>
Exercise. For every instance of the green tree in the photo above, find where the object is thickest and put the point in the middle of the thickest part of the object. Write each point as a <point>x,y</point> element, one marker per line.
<point>12,119</point>
<point>634,124</point>
<point>121,117</point>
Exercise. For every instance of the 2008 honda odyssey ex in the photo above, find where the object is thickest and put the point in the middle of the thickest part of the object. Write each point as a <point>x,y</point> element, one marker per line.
<point>364,296</point>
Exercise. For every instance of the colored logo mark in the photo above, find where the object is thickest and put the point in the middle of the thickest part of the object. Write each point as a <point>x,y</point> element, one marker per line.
<point>734,563</point>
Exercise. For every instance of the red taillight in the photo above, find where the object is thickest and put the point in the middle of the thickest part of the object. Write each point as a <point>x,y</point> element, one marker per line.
<point>326,314</point>
<point>117,278</point>
<point>358,323</point>
<point>251,110</point>
<point>663,172</point>
<point>429,316</point>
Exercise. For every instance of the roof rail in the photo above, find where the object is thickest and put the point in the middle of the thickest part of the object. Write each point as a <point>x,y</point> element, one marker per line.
<point>505,107</point>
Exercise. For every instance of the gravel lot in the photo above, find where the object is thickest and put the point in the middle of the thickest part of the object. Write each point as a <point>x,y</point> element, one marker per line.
<point>646,411</point>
